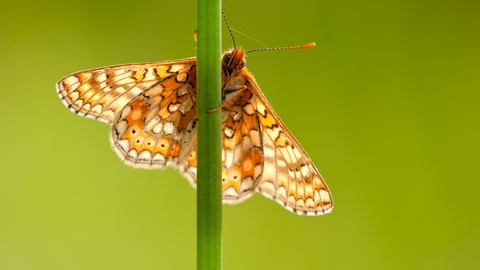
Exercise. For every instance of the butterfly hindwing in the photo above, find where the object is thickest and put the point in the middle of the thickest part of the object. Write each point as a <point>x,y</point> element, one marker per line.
<point>242,150</point>
<point>157,128</point>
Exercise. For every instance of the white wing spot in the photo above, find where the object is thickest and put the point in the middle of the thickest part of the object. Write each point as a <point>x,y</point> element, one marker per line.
<point>175,68</point>
<point>281,195</point>
<point>181,77</point>
<point>121,127</point>
<point>154,91</point>
<point>237,116</point>
<point>157,128</point>
<point>77,104</point>
<point>136,91</point>
<point>119,72</point>
<point>150,75</point>
<point>182,90</point>
<point>260,108</point>
<point>325,197</point>
<point>228,158</point>
<point>255,137</point>
<point>101,78</point>
<point>229,132</point>
<point>173,107</point>
<point>185,69</point>
<point>291,201</point>
<point>230,192</point>
<point>268,187</point>
<point>305,171</point>
<point>152,123</point>
<point>168,128</point>
<point>132,154</point>
<point>97,109</point>
<point>70,80</point>
<point>246,184</point>
<point>106,116</point>
<point>145,155</point>
<point>73,96</point>
<point>85,87</point>
<point>124,145</point>
<point>126,111</point>
<point>248,109</point>
<point>158,158</point>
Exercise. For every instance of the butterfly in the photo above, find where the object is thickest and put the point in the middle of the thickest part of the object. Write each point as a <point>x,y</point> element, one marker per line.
<point>152,111</point>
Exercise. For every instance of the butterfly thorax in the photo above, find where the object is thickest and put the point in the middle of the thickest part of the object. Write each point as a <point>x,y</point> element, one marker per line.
<point>234,80</point>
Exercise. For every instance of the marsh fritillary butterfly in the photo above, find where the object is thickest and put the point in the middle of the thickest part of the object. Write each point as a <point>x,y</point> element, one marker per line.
<point>151,108</point>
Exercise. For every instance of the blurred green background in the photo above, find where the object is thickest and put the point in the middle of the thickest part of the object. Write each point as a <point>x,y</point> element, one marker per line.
<point>386,105</point>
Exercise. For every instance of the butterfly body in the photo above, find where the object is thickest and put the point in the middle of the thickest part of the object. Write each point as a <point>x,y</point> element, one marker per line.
<point>152,110</point>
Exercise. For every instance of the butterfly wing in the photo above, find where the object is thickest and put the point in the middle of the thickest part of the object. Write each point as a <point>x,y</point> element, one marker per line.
<point>242,157</point>
<point>151,108</point>
<point>285,172</point>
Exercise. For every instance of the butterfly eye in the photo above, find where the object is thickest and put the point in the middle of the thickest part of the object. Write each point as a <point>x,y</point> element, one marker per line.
<point>244,63</point>
<point>226,58</point>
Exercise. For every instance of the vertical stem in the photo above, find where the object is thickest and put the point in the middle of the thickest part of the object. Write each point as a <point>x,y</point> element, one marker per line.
<point>209,197</point>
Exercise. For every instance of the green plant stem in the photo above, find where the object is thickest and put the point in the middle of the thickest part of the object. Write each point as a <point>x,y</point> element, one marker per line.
<point>209,197</point>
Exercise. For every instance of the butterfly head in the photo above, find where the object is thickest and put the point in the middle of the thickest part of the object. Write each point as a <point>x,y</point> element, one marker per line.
<point>233,61</point>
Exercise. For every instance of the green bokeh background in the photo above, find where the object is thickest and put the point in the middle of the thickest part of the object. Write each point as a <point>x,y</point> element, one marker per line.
<point>386,105</point>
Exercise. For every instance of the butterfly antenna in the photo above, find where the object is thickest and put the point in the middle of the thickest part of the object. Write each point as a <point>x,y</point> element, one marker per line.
<point>248,28</point>
<point>304,46</point>
<point>229,29</point>
<point>245,35</point>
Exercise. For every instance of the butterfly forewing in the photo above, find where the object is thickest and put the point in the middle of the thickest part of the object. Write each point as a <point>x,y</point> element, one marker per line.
<point>152,111</point>
<point>289,176</point>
